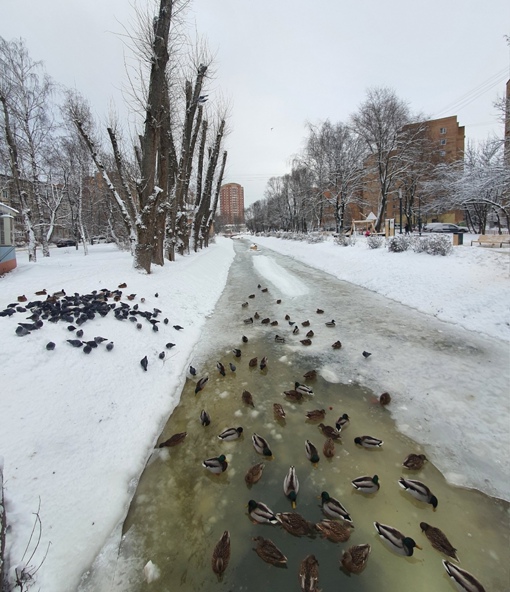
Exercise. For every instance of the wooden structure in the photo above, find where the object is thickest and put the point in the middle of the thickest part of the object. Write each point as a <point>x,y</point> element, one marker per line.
<point>492,240</point>
<point>7,248</point>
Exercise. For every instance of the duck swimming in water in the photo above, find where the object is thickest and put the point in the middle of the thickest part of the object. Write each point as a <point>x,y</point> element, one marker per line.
<point>419,491</point>
<point>261,445</point>
<point>396,540</point>
<point>355,558</point>
<point>291,486</point>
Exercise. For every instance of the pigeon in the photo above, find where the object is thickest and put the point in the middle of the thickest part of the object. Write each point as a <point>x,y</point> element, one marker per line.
<point>165,321</point>
<point>178,327</point>
<point>366,354</point>
<point>192,371</point>
<point>87,349</point>
<point>232,367</point>
<point>155,328</point>
<point>21,331</point>
<point>50,346</point>
<point>71,328</point>
<point>156,295</point>
<point>75,342</point>
<point>79,333</point>
<point>109,346</point>
<point>170,345</point>
<point>100,339</point>
<point>144,363</point>
<point>162,355</point>
<point>139,326</point>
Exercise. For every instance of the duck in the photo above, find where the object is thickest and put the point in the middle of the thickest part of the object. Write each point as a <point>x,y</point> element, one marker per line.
<point>265,290</point>
<point>265,321</point>
<point>230,434</point>
<point>333,508</point>
<point>310,375</point>
<point>247,398</point>
<point>263,363</point>
<point>221,368</point>
<point>173,440</point>
<point>366,484</point>
<point>311,453</point>
<point>329,432</point>
<point>253,362</point>
<point>329,448</point>
<point>237,352</point>
<point>200,384</point>
<point>316,414</point>
<point>309,574</point>
<point>305,323</point>
<point>205,418</point>
<point>244,339</point>
<point>305,341</point>
<point>279,411</point>
<point>293,395</point>
<point>439,541</point>
<point>331,323</point>
<point>463,580</point>
<point>254,473</point>
<point>368,442</point>
<point>414,462</point>
<point>342,422</point>
<point>336,532</point>
<point>273,323</point>
<point>310,334</point>
<point>303,388</point>
<point>248,321</point>
<point>244,305</point>
<point>287,317</point>
<point>295,331</point>
<point>295,524</point>
<point>291,486</point>
<point>261,513</point>
<point>419,491</point>
<point>355,558</point>
<point>251,296</point>
<point>396,540</point>
<point>269,552</point>
<point>319,311</point>
<point>221,554</point>
<point>256,316</point>
<point>261,445</point>
<point>337,345</point>
<point>385,399</point>
<point>279,339</point>
<point>216,465</point>
<point>279,301</point>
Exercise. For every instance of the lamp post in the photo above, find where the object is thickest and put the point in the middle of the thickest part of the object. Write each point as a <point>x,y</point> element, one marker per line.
<point>419,215</point>
<point>400,200</point>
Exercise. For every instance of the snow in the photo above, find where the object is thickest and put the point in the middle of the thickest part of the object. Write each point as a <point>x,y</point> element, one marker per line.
<point>76,431</point>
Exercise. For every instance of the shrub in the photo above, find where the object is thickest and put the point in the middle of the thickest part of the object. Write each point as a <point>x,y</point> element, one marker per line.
<point>435,244</point>
<point>345,241</point>
<point>399,243</point>
<point>374,241</point>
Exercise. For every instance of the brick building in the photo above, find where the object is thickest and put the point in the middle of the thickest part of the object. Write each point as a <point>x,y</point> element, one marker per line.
<point>232,203</point>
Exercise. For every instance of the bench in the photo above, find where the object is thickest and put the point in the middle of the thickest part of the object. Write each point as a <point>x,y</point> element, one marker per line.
<point>492,240</point>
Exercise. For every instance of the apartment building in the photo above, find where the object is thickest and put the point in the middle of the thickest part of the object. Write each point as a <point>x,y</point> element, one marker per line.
<point>232,203</point>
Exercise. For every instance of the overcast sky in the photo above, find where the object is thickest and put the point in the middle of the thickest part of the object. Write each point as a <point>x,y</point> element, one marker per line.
<point>283,63</point>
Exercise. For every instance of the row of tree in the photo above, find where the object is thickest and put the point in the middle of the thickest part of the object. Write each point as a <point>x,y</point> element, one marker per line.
<point>384,152</point>
<point>155,194</point>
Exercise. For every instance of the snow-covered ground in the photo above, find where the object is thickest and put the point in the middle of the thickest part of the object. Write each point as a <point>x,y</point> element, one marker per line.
<point>76,430</point>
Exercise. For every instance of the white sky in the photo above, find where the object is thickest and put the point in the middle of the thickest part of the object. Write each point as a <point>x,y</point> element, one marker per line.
<point>281,64</point>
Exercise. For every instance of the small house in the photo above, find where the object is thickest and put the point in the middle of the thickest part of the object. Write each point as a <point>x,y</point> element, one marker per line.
<point>7,246</point>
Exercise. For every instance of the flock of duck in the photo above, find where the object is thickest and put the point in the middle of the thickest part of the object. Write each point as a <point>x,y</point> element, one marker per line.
<point>337,524</point>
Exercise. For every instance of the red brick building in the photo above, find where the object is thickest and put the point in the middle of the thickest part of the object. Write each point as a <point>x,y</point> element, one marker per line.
<point>232,203</point>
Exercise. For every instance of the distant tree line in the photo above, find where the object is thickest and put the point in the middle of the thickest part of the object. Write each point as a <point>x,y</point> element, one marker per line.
<point>155,194</point>
<point>384,148</point>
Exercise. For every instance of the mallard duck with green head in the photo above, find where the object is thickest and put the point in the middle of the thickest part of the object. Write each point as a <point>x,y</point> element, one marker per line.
<point>291,486</point>
<point>368,442</point>
<point>419,491</point>
<point>366,484</point>
<point>395,540</point>
<point>333,508</point>
<point>216,465</point>
<point>342,422</point>
<point>221,554</point>
<point>261,445</point>
<point>463,580</point>
<point>269,552</point>
<point>439,540</point>
<point>303,388</point>
<point>261,513</point>
<point>355,558</point>
<point>230,434</point>
<point>312,453</point>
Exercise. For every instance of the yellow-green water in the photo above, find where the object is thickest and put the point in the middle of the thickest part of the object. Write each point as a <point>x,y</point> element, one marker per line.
<point>180,510</point>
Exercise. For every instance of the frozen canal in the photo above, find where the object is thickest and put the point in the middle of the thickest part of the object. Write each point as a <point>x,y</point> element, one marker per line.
<point>441,379</point>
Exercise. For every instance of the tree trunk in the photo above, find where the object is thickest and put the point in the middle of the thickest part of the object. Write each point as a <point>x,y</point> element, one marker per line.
<point>212,212</point>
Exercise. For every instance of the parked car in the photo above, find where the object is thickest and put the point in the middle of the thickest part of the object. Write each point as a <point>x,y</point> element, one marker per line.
<point>66,242</point>
<point>443,227</point>
<point>96,240</point>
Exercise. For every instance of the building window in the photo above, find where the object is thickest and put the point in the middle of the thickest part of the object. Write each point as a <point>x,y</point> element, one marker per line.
<point>442,153</point>
<point>442,130</point>
<point>442,141</point>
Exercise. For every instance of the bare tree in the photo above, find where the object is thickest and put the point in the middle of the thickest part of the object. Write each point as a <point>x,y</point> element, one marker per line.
<point>378,122</point>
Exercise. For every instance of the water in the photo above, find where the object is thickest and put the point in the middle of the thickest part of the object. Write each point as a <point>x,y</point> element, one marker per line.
<point>180,510</point>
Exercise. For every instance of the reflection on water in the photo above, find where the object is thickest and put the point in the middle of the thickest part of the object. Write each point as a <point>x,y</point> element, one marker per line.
<point>180,510</point>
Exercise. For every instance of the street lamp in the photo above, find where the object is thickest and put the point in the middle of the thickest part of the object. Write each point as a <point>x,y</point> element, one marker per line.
<point>419,215</point>
<point>400,200</point>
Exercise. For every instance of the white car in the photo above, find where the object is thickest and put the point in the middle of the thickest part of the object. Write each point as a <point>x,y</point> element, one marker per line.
<point>443,227</point>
